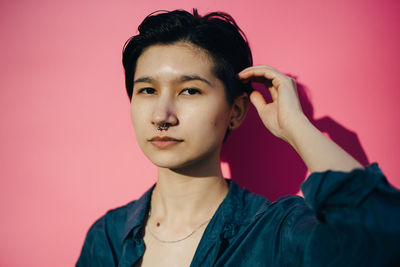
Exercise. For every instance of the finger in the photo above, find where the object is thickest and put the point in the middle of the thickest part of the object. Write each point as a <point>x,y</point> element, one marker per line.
<point>260,71</point>
<point>258,67</point>
<point>257,100</point>
<point>274,92</point>
<point>263,80</point>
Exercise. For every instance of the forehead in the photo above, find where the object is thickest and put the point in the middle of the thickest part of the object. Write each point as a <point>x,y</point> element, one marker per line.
<point>178,58</point>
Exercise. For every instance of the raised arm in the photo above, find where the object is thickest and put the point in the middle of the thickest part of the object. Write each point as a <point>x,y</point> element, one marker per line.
<point>355,212</point>
<point>284,118</point>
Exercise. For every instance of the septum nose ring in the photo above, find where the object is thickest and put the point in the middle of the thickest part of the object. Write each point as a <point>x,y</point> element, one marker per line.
<point>163,126</point>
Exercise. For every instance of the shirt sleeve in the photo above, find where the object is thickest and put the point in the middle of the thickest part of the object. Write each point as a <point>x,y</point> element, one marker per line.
<point>358,219</point>
<point>96,249</point>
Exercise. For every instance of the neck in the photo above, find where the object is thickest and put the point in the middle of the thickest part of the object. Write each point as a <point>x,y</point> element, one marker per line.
<point>182,198</point>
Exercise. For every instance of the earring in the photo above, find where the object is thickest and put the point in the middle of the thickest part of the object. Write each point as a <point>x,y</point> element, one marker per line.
<point>231,124</point>
<point>163,126</point>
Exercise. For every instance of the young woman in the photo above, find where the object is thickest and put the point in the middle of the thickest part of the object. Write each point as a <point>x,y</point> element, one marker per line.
<point>188,78</point>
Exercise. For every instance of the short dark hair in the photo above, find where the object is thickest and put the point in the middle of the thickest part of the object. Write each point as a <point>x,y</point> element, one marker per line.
<point>217,33</point>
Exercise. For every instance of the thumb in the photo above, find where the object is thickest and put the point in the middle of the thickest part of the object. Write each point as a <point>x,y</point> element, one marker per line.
<point>257,100</point>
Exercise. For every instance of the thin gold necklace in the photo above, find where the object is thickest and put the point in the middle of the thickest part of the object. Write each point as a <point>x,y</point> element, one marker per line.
<point>178,240</point>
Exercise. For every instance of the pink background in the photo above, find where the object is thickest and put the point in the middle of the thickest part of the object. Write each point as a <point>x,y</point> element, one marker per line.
<point>68,152</point>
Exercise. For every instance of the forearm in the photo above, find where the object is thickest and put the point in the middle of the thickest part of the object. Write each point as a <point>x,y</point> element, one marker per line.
<point>318,152</point>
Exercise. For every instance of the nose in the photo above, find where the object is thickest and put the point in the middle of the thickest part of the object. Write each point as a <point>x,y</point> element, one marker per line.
<point>164,112</point>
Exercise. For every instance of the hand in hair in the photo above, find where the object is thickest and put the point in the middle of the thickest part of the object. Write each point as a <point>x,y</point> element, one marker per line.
<point>284,118</point>
<point>285,107</point>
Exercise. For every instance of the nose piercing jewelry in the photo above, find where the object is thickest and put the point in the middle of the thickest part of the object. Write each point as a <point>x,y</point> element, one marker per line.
<point>163,126</point>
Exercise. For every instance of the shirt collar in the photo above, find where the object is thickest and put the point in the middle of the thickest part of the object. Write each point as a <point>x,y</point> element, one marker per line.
<point>136,214</point>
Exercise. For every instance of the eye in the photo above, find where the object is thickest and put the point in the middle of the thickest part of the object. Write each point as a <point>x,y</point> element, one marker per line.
<point>190,91</point>
<point>147,91</point>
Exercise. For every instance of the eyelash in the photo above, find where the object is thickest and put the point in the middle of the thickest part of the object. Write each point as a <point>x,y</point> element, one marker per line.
<point>144,91</point>
<point>192,91</point>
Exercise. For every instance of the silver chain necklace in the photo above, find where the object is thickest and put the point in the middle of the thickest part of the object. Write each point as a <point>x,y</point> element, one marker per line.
<point>178,240</point>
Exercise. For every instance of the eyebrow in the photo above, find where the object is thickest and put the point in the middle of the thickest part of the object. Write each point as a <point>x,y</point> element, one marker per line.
<point>183,78</point>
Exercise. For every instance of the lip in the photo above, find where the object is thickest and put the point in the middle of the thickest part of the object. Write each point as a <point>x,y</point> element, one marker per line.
<point>164,142</point>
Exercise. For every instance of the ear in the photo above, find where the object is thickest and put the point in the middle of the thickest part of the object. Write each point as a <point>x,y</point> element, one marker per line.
<point>239,109</point>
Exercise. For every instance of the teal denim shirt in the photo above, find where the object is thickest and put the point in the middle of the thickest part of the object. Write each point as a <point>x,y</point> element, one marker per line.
<point>344,219</point>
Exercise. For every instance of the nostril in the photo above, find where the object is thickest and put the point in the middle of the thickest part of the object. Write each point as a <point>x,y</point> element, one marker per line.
<point>163,126</point>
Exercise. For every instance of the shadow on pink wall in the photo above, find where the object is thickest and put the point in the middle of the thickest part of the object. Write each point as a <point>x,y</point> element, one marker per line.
<point>267,165</point>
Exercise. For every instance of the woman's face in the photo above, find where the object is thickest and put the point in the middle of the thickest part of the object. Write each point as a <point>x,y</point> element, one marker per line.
<point>174,84</point>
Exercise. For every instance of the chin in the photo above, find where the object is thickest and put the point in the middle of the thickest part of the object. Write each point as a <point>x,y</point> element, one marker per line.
<point>168,161</point>
<point>173,165</point>
<point>178,163</point>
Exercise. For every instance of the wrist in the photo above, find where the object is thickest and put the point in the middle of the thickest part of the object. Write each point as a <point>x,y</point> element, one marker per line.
<point>297,127</point>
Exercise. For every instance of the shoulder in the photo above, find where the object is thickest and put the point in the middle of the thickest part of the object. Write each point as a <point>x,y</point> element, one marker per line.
<point>114,217</point>
<point>118,222</point>
<point>255,206</point>
<point>288,213</point>
<point>103,240</point>
<point>289,218</point>
<point>275,231</point>
<point>110,226</point>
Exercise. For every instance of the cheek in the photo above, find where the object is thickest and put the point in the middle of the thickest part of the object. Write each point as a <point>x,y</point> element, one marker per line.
<point>221,123</point>
<point>206,120</point>
<point>138,117</point>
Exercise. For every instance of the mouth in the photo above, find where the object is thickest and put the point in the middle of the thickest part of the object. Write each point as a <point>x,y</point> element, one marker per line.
<point>164,142</point>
